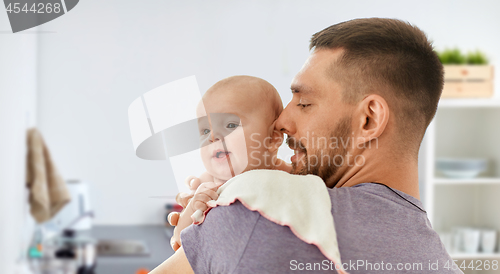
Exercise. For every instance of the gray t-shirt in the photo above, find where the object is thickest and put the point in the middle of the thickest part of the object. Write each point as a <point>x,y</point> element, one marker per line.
<point>378,231</point>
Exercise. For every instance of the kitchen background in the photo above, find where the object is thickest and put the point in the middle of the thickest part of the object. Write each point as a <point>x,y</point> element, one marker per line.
<point>73,78</point>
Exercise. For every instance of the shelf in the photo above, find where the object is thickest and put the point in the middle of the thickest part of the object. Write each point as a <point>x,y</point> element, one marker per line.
<point>470,103</point>
<point>465,256</point>
<point>473,181</point>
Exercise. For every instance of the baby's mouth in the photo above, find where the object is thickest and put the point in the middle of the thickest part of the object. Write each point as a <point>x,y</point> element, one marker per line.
<point>220,154</point>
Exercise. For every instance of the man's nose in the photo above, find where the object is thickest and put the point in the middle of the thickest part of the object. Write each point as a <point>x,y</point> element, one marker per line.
<point>285,123</point>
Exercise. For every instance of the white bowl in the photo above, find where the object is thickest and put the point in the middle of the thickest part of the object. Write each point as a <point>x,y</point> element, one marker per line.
<point>461,168</point>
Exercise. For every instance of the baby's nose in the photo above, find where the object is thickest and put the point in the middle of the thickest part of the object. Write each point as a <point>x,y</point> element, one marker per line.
<point>216,137</point>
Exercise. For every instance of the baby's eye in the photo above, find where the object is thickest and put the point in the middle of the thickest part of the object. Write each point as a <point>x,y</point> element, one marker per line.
<point>232,125</point>
<point>206,131</point>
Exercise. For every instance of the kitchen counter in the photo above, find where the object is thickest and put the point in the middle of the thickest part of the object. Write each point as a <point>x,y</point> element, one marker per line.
<point>156,237</point>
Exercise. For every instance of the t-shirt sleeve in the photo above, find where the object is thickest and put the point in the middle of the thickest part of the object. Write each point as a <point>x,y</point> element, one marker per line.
<point>217,245</point>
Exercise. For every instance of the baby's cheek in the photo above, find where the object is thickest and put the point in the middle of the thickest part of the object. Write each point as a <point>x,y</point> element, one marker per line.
<point>206,155</point>
<point>236,144</point>
<point>258,150</point>
<point>204,152</point>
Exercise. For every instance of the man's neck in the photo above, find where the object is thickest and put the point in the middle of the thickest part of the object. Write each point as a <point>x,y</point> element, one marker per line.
<point>400,174</point>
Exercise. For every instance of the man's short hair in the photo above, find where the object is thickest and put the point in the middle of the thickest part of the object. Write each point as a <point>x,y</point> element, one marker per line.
<point>388,57</point>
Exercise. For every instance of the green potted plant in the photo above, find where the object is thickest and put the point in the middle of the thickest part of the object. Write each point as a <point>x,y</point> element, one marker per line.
<point>476,58</point>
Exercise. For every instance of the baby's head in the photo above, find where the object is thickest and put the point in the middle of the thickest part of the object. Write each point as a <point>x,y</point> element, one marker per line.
<point>238,134</point>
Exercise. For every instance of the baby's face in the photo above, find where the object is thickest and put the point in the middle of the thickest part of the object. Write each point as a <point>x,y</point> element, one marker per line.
<point>233,135</point>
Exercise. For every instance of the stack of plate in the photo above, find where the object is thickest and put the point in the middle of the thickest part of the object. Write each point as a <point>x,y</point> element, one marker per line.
<point>461,168</point>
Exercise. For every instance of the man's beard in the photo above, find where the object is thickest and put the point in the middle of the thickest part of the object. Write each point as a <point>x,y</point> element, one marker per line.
<point>328,160</point>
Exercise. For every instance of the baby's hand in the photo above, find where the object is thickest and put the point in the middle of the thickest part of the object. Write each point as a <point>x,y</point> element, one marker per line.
<point>183,200</point>
<point>181,220</point>
<point>198,203</point>
<point>192,182</point>
<point>205,193</point>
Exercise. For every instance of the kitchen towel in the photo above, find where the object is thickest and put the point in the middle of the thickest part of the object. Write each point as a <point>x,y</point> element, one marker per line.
<point>48,191</point>
<point>301,202</point>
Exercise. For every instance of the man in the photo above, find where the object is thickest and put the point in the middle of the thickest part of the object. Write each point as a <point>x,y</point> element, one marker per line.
<point>360,108</point>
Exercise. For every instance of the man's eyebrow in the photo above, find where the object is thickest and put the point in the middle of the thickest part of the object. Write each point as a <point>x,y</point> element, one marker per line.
<point>300,89</point>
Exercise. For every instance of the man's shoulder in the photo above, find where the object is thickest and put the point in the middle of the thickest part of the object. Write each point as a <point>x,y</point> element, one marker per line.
<point>377,224</point>
<point>222,237</point>
<point>234,214</point>
<point>374,195</point>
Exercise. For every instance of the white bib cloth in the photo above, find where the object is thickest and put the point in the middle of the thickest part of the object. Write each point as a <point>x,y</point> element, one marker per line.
<point>300,202</point>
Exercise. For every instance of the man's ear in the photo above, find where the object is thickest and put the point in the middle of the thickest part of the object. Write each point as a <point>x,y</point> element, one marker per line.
<point>275,140</point>
<point>373,113</point>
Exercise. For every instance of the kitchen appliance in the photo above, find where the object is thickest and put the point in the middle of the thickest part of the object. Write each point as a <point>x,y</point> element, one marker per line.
<point>119,247</point>
<point>78,206</point>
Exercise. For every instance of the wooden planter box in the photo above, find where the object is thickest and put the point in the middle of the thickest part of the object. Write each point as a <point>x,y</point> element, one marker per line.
<point>468,81</point>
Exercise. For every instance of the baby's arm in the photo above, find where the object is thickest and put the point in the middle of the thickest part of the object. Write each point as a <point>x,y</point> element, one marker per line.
<point>205,192</point>
<point>194,182</point>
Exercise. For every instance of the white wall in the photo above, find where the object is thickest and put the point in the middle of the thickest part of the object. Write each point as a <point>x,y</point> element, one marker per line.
<point>17,112</point>
<point>104,54</point>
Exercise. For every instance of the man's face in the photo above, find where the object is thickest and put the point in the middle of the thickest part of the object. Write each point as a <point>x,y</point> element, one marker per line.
<point>317,122</point>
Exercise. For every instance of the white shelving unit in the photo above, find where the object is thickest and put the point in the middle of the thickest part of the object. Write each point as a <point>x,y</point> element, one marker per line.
<point>466,256</point>
<point>469,103</point>
<point>475,181</point>
<point>464,128</point>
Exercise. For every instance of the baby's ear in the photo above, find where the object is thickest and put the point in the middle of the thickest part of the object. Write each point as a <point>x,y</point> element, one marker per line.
<point>276,139</point>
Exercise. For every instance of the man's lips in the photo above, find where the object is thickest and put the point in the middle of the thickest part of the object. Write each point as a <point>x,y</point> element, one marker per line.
<point>298,149</point>
<point>297,157</point>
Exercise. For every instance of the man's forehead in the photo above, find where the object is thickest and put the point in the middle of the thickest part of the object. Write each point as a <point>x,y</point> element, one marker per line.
<point>322,59</point>
<point>300,81</point>
<point>307,77</point>
<point>315,71</point>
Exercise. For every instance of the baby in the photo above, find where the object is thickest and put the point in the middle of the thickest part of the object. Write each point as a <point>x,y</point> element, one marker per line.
<point>237,135</point>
